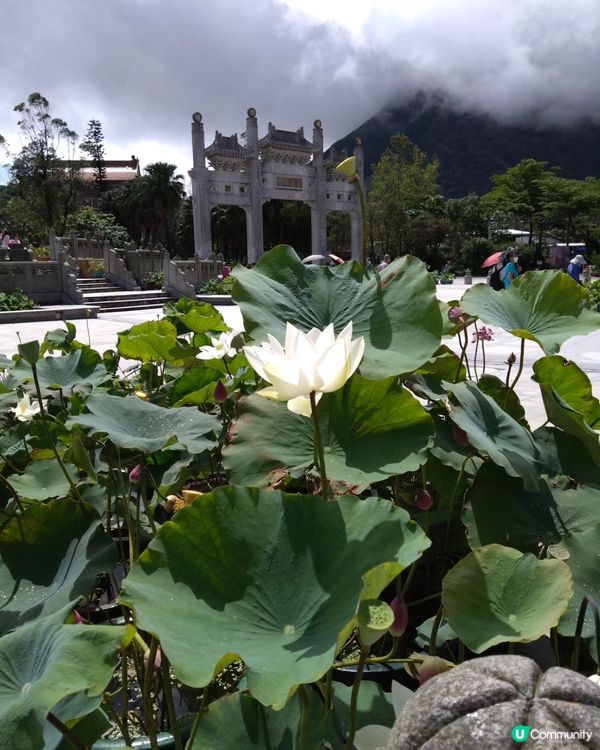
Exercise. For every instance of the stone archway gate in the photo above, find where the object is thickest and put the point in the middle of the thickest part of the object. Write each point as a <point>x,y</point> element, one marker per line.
<point>282,165</point>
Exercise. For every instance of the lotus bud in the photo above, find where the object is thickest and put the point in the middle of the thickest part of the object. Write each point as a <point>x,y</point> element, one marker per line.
<point>455,314</point>
<point>348,168</point>
<point>511,359</point>
<point>220,392</point>
<point>423,499</point>
<point>460,435</point>
<point>141,394</point>
<point>432,666</point>
<point>79,619</point>
<point>135,474</point>
<point>400,610</point>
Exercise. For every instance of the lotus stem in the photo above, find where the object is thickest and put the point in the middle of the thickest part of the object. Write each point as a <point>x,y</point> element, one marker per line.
<point>305,719</point>
<point>360,668</point>
<point>521,363</point>
<point>579,628</point>
<point>198,719</point>
<point>66,732</point>
<point>424,599</point>
<point>319,446</point>
<point>452,501</point>
<point>43,415</point>
<point>124,687</point>
<point>434,631</point>
<point>167,689</point>
<point>147,694</point>
<point>363,220</point>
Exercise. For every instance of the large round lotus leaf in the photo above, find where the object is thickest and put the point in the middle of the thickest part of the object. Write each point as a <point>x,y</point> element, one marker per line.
<point>50,555</point>
<point>493,432</point>
<point>42,480</point>
<point>506,398</point>
<point>133,423</point>
<point>479,703</point>
<point>189,315</point>
<point>567,521</point>
<point>395,311</point>
<point>370,430</point>
<point>78,367</point>
<point>497,594</point>
<point>271,577</point>
<point>547,307</point>
<point>44,662</point>
<point>240,721</point>
<point>153,341</point>
<point>568,399</point>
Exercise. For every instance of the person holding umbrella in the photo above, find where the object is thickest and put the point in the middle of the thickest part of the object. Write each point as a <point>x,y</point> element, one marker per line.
<point>510,271</point>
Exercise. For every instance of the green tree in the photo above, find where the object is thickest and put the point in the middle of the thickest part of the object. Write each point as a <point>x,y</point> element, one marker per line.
<point>162,192</point>
<point>44,187</point>
<point>93,145</point>
<point>571,206</point>
<point>404,182</point>
<point>518,192</point>
<point>104,226</point>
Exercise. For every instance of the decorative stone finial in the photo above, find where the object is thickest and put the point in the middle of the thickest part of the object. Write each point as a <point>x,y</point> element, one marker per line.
<point>318,124</point>
<point>251,112</point>
<point>358,141</point>
<point>197,117</point>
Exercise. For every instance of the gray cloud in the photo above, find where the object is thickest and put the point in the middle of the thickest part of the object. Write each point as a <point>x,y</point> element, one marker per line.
<point>143,66</point>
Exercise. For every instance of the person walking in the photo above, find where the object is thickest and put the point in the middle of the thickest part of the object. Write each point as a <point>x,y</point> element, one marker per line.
<point>510,271</point>
<point>575,267</point>
<point>384,263</point>
<point>5,238</point>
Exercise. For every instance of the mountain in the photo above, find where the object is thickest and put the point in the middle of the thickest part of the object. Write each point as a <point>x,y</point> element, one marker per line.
<point>472,147</point>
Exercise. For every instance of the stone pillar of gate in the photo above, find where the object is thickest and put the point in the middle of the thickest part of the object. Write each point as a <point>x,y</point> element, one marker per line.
<point>254,217</point>
<point>356,224</point>
<point>200,191</point>
<point>318,212</point>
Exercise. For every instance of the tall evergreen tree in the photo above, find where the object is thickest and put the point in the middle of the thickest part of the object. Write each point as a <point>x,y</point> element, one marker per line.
<point>93,145</point>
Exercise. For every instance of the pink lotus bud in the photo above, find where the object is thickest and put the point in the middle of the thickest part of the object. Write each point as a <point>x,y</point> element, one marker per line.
<point>431,666</point>
<point>135,474</point>
<point>220,392</point>
<point>400,610</point>
<point>511,359</point>
<point>423,499</point>
<point>460,435</point>
<point>455,314</point>
<point>78,618</point>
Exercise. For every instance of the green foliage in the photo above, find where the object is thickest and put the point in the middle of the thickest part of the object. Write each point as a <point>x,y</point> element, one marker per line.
<point>497,594</point>
<point>218,286</point>
<point>104,226</point>
<point>396,311</point>
<point>18,300</point>
<point>279,607</point>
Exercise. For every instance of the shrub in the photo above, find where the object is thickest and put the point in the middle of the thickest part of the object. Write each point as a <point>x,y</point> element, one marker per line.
<point>18,300</point>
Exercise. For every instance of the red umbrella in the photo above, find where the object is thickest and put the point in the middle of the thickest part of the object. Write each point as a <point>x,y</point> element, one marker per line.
<point>492,260</point>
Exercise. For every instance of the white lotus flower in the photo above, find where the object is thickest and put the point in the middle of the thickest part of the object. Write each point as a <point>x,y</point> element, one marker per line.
<point>376,736</point>
<point>221,347</point>
<point>25,410</point>
<point>314,362</point>
<point>595,678</point>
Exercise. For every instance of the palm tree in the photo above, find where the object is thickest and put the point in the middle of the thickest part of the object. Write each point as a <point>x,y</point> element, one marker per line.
<point>162,193</point>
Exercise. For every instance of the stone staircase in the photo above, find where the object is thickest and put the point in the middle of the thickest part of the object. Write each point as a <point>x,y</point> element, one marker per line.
<point>112,298</point>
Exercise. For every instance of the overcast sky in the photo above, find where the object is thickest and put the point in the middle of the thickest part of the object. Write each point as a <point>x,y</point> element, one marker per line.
<point>142,67</point>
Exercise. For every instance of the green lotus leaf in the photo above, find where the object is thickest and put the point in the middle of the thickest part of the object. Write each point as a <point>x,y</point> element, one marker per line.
<point>273,578</point>
<point>373,707</point>
<point>569,401</point>
<point>547,307</point>
<point>370,430</point>
<point>500,510</point>
<point>506,398</point>
<point>493,432</point>
<point>78,367</point>
<point>240,721</point>
<point>564,454</point>
<point>498,594</point>
<point>153,341</point>
<point>395,311</point>
<point>92,724</point>
<point>41,665</point>
<point>50,555</point>
<point>133,423</point>
<point>43,480</point>
<point>426,382</point>
<point>194,386</point>
<point>195,317</point>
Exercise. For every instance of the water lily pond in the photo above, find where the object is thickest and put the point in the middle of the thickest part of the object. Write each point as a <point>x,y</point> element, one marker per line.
<point>272,540</point>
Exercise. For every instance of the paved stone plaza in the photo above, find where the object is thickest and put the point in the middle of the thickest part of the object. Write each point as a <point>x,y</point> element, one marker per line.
<point>583,350</point>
